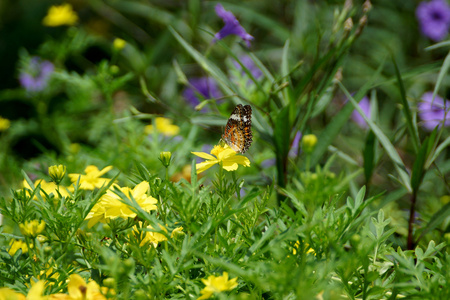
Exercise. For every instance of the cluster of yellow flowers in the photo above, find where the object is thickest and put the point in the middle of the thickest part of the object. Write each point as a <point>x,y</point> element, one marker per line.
<point>77,289</point>
<point>111,206</point>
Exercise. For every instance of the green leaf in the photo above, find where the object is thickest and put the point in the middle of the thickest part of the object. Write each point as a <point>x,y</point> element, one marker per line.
<point>285,71</point>
<point>436,220</point>
<point>369,155</point>
<point>442,73</point>
<point>419,164</point>
<point>438,151</point>
<point>282,140</point>
<point>390,149</point>
<point>410,123</point>
<point>327,136</point>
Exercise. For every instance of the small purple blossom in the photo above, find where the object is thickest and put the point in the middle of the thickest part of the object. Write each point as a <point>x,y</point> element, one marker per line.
<point>35,76</point>
<point>202,86</point>
<point>270,162</point>
<point>433,113</point>
<point>364,104</point>
<point>232,26</point>
<point>250,65</point>
<point>295,145</point>
<point>434,19</point>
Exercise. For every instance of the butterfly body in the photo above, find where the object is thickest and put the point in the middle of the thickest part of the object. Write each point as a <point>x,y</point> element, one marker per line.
<point>238,131</point>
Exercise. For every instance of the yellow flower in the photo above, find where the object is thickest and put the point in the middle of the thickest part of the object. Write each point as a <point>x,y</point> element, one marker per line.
<point>119,44</point>
<point>225,156</point>
<point>9,294</point>
<point>4,124</point>
<point>79,290</point>
<point>309,141</point>
<point>60,15</point>
<point>153,237</point>
<point>16,245</point>
<point>35,293</point>
<point>48,188</point>
<point>57,173</point>
<point>92,179</point>
<point>216,285</point>
<point>32,228</point>
<point>164,126</point>
<point>110,205</point>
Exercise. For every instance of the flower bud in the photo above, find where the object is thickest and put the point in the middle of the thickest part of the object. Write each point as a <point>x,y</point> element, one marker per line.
<point>4,124</point>
<point>109,282</point>
<point>348,24</point>
<point>140,295</point>
<point>367,6</point>
<point>165,158</point>
<point>57,173</point>
<point>309,141</point>
<point>119,44</point>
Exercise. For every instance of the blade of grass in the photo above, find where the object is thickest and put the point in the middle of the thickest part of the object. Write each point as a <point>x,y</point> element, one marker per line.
<point>410,123</point>
<point>327,136</point>
<point>385,142</point>
<point>438,151</point>
<point>442,73</point>
<point>435,220</point>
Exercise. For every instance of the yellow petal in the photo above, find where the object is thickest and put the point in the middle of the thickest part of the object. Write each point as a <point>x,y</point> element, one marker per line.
<point>204,155</point>
<point>75,283</point>
<point>230,166</point>
<point>140,189</point>
<point>226,154</point>
<point>104,170</point>
<point>203,166</point>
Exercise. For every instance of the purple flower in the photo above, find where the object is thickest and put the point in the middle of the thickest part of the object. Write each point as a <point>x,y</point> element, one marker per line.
<point>205,87</point>
<point>434,19</point>
<point>364,104</point>
<point>434,113</point>
<point>270,162</point>
<point>294,147</point>
<point>250,65</point>
<point>232,26</point>
<point>35,76</point>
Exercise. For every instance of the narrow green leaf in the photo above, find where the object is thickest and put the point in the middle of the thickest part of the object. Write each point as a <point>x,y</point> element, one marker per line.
<point>418,166</point>
<point>369,155</point>
<point>390,149</point>
<point>442,73</point>
<point>436,220</point>
<point>327,136</point>
<point>282,141</point>
<point>287,92</point>
<point>410,122</point>
<point>438,151</point>
<point>208,66</point>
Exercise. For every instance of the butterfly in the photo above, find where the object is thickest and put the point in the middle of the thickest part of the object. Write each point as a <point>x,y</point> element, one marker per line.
<point>238,131</point>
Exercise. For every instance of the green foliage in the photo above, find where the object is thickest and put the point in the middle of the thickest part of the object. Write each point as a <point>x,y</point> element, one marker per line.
<point>362,213</point>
